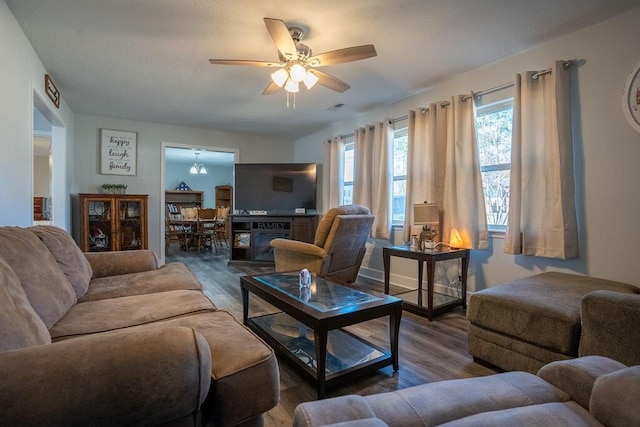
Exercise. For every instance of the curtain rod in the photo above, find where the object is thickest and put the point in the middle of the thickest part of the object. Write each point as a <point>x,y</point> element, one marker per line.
<point>566,65</point>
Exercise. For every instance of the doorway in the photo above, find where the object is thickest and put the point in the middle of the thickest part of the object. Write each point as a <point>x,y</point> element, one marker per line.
<point>49,179</point>
<point>177,171</point>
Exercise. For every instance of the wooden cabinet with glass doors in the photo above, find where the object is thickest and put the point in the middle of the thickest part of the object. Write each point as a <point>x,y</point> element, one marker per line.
<point>113,222</point>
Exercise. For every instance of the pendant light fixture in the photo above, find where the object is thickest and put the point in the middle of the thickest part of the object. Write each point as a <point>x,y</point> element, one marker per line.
<point>197,168</point>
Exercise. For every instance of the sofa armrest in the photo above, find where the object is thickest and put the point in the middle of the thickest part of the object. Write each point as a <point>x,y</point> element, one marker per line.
<point>337,410</point>
<point>577,376</point>
<point>146,377</point>
<point>105,264</point>
<point>610,326</point>
<point>292,255</point>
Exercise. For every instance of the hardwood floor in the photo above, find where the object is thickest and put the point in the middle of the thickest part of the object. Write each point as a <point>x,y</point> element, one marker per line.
<point>429,351</point>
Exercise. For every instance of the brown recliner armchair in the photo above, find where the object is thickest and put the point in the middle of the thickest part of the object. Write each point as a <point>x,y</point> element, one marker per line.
<point>338,248</point>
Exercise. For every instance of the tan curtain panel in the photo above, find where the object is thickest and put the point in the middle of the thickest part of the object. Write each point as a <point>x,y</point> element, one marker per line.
<point>542,217</point>
<point>463,198</point>
<point>332,172</point>
<point>422,162</point>
<point>372,174</point>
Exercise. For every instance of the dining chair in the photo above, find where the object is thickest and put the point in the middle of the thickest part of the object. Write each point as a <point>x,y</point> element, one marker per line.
<point>206,228</point>
<point>221,225</point>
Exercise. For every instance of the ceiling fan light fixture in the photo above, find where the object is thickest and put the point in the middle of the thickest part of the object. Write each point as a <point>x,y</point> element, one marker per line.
<point>310,79</point>
<point>297,73</point>
<point>292,86</point>
<point>280,77</point>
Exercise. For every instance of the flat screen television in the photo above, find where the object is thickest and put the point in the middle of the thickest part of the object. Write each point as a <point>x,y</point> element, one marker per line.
<point>275,187</point>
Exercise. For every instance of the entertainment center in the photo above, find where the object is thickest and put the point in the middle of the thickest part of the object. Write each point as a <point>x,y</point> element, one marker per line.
<point>272,200</point>
<point>251,234</point>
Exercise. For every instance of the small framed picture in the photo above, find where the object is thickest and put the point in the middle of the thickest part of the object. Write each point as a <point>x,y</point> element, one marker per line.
<point>242,240</point>
<point>118,152</point>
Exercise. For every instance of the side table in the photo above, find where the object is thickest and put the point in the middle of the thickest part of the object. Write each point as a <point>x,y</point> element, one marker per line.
<point>436,303</point>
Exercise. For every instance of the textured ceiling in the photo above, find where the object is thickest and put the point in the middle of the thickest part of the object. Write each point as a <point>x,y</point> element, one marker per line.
<point>147,60</point>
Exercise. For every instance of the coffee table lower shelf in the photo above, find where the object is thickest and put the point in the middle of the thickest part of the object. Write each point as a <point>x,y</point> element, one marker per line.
<point>347,356</point>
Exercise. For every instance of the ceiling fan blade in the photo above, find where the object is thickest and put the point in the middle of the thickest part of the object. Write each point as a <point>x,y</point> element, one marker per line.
<point>271,89</point>
<point>281,37</point>
<point>331,82</point>
<point>244,62</point>
<point>340,56</point>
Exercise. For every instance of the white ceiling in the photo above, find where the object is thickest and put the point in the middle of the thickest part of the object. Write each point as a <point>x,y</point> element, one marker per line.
<point>147,60</point>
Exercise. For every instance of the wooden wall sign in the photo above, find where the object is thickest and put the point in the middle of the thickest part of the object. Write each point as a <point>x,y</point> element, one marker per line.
<point>52,90</point>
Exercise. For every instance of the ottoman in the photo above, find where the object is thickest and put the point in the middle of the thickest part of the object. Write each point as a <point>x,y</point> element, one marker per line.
<point>524,324</point>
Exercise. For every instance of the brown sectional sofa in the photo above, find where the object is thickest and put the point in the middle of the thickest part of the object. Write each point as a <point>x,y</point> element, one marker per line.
<point>588,391</point>
<point>113,339</point>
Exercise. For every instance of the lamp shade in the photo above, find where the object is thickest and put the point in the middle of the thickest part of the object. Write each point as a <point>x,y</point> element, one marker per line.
<point>280,77</point>
<point>425,213</point>
<point>297,73</point>
<point>291,86</point>
<point>310,80</point>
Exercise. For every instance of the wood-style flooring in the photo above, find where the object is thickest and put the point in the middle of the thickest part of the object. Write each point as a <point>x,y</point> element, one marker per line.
<point>429,351</point>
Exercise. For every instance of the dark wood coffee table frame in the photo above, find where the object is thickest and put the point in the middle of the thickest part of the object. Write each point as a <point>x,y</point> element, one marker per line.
<point>322,323</point>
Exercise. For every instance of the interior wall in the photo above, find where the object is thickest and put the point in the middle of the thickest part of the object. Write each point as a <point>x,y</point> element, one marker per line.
<point>22,73</point>
<point>252,148</point>
<point>606,151</point>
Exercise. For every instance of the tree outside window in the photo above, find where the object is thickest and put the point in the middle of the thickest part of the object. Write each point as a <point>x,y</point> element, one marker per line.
<point>493,125</point>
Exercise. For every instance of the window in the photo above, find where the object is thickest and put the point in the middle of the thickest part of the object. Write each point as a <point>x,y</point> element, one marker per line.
<point>400,143</point>
<point>493,124</point>
<point>346,197</point>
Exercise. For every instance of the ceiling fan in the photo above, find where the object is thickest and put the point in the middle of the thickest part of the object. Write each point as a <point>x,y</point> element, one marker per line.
<point>297,62</point>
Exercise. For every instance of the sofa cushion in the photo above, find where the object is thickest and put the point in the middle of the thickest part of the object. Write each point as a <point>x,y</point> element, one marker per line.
<point>116,313</point>
<point>615,397</point>
<point>445,401</point>
<point>69,256</point>
<point>170,277</point>
<point>543,309</point>
<point>577,376</point>
<point>242,365</point>
<point>48,289</point>
<point>20,326</point>
<point>546,414</point>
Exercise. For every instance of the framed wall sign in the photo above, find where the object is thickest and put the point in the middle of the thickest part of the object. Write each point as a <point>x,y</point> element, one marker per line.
<point>631,99</point>
<point>118,152</point>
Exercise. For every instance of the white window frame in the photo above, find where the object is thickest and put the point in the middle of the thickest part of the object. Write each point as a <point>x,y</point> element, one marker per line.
<point>482,110</point>
<point>398,133</point>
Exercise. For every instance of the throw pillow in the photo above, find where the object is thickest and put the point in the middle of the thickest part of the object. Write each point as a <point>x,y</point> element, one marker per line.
<point>70,258</point>
<point>48,289</point>
<point>20,326</point>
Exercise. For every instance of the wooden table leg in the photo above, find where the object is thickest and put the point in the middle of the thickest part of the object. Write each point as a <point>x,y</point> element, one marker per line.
<point>465,268</point>
<point>431,267</point>
<point>394,335</point>
<point>420,267</point>
<point>320,335</point>
<point>245,304</point>
<point>386,260</point>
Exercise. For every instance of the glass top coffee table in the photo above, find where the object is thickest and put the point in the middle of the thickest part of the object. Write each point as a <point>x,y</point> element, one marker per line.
<point>307,332</point>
